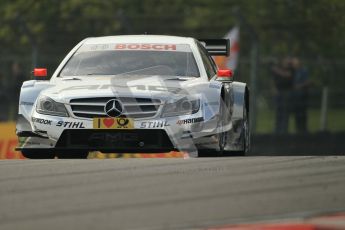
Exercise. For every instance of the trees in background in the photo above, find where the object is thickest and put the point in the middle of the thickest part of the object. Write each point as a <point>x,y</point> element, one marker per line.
<point>312,29</point>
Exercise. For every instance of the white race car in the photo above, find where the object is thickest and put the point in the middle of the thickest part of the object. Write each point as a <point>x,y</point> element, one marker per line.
<point>135,94</point>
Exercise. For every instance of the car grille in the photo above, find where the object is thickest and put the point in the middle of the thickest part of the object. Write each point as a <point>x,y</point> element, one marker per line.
<point>132,107</point>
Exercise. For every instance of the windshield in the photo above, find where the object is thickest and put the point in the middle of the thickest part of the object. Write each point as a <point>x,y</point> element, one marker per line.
<point>132,59</point>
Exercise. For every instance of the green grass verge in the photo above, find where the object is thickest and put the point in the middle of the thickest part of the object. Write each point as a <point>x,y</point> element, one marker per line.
<point>335,121</point>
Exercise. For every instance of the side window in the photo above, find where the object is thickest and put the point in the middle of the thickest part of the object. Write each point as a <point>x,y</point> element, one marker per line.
<point>208,63</point>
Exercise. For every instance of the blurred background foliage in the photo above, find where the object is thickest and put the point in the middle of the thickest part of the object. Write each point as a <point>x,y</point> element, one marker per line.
<point>305,27</point>
<point>311,29</point>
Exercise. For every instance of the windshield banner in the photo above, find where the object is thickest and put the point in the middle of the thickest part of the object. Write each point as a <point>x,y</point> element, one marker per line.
<point>135,46</point>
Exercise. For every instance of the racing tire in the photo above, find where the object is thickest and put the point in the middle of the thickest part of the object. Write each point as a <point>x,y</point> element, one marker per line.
<point>245,137</point>
<point>245,133</point>
<point>37,154</point>
<point>73,154</point>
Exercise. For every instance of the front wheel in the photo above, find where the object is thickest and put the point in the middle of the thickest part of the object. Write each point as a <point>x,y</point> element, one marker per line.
<point>245,137</point>
<point>37,154</point>
<point>246,131</point>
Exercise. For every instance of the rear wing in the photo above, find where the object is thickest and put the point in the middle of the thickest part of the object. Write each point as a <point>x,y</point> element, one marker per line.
<point>216,47</point>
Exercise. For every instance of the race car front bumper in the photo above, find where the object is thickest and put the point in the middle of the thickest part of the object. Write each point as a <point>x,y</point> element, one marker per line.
<point>145,136</point>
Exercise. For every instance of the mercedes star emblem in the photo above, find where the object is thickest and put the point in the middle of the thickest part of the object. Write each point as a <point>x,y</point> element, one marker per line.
<point>113,108</point>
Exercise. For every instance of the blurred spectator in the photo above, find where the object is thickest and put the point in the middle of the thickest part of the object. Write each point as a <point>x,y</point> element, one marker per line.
<point>4,100</point>
<point>283,82</point>
<point>300,95</point>
<point>15,83</point>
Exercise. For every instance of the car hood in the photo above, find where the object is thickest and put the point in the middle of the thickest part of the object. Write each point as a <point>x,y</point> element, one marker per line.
<point>162,87</point>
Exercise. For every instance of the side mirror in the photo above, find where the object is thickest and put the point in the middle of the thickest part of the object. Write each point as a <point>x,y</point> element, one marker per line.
<point>40,74</point>
<point>224,74</point>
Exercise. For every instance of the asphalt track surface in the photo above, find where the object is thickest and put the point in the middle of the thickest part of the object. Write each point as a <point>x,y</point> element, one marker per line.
<point>167,193</point>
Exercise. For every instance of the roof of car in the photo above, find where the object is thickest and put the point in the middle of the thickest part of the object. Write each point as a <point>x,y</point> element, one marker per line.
<point>139,39</point>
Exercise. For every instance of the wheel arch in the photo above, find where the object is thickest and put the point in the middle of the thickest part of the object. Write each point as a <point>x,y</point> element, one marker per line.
<point>240,95</point>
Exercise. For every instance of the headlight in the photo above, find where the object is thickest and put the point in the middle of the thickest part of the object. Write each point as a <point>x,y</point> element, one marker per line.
<point>46,105</point>
<point>183,106</point>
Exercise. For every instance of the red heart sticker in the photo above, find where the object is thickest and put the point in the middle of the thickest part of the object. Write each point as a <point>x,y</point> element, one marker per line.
<point>108,122</point>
